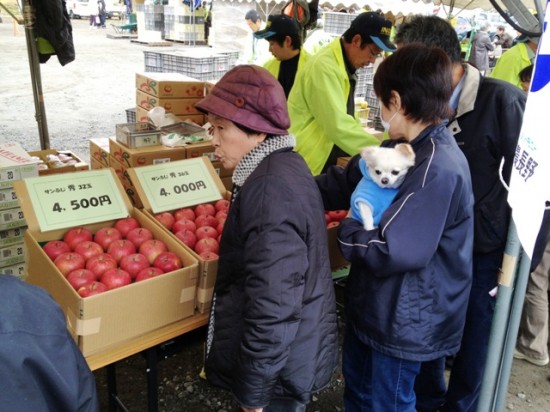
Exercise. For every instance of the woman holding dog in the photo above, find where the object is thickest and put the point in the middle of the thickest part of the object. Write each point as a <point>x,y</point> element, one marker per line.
<point>410,277</point>
<point>272,335</point>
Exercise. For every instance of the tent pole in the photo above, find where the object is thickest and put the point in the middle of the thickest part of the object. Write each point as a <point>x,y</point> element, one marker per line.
<point>36,80</point>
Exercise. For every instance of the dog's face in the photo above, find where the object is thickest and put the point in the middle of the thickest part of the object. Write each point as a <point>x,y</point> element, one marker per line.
<point>388,166</point>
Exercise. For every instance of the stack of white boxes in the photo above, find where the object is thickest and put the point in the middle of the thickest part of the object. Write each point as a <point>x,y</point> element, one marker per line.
<point>15,164</point>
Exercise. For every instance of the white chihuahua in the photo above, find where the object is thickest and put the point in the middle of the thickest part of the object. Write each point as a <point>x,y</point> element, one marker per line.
<point>384,169</point>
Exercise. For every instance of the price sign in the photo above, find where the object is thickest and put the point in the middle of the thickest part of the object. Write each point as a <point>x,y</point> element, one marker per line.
<point>74,199</point>
<point>177,184</point>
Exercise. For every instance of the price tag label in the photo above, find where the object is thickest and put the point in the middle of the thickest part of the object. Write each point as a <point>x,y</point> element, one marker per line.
<point>74,199</point>
<point>174,185</point>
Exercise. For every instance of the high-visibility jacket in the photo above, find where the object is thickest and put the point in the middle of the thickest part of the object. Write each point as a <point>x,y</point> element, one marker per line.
<point>273,66</point>
<point>511,63</point>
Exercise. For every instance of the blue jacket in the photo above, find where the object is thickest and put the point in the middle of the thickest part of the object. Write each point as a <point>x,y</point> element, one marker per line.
<point>410,278</point>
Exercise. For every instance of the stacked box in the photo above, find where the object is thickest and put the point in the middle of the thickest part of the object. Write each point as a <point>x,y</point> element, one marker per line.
<point>99,153</point>
<point>58,161</point>
<point>185,24</point>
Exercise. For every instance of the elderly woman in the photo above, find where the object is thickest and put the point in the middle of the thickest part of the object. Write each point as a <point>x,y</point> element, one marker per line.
<point>272,335</point>
<point>409,281</point>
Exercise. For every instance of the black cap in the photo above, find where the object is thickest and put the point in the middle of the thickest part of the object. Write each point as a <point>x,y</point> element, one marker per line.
<point>278,24</point>
<point>375,26</point>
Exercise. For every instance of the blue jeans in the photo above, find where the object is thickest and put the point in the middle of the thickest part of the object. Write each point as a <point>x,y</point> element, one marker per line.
<point>469,365</point>
<point>376,382</point>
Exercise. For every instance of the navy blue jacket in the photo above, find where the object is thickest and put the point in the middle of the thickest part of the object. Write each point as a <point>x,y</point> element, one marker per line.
<point>275,327</point>
<point>410,278</point>
<point>41,369</point>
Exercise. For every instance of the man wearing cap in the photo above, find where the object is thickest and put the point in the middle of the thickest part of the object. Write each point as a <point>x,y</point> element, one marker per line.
<point>285,44</point>
<point>256,52</point>
<point>321,104</point>
<point>515,60</point>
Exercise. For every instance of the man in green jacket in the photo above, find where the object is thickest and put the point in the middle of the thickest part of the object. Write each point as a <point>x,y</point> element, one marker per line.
<point>321,103</point>
<point>285,44</point>
<point>515,60</point>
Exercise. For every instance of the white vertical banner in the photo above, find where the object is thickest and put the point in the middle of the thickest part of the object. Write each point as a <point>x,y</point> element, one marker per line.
<point>530,179</point>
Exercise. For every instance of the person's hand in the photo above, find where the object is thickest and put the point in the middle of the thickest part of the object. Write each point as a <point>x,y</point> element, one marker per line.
<point>252,409</point>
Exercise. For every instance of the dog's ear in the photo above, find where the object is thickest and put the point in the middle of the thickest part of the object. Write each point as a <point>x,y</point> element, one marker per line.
<point>407,151</point>
<point>368,153</point>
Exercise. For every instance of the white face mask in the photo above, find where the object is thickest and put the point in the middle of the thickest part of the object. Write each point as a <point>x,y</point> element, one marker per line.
<point>386,124</point>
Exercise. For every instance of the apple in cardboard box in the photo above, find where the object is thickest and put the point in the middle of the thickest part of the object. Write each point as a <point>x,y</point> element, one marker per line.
<point>126,224</point>
<point>152,248</point>
<point>54,248</point>
<point>76,235</point>
<point>69,261</point>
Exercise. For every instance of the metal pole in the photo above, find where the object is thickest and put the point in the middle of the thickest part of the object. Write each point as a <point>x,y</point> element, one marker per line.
<point>36,80</point>
<point>500,320</point>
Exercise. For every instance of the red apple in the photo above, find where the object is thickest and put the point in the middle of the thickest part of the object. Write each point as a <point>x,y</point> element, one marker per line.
<point>206,220</point>
<point>187,237</point>
<point>208,255</point>
<point>126,224</point>
<point>76,235</point>
<point>101,263</point>
<point>186,213</point>
<point>120,248</point>
<point>152,248</point>
<point>134,263</point>
<point>221,215</point>
<point>206,231</point>
<point>106,235</point>
<point>207,245</point>
<point>115,278</point>
<point>92,289</point>
<point>81,277</point>
<point>69,261</point>
<point>205,209</point>
<point>328,219</point>
<point>168,262</point>
<point>332,224</point>
<point>139,235</point>
<point>219,227</point>
<point>184,224</point>
<point>337,215</point>
<point>56,247</point>
<point>166,219</point>
<point>88,249</point>
<point>148,273</point>
<point>222,204</point>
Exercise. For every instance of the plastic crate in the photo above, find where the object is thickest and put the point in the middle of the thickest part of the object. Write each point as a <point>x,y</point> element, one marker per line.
<point>337,23</point>
<point>131,115</point>
<point>153,59</point>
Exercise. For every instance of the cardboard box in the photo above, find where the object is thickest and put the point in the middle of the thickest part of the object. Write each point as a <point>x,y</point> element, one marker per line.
<point>118,315</point>
<point>144,156</point>
<point>8,198</point>
<point>13,254</point>
<point>343,161</point>
<point>15,164</point>
<point>337,261</point>
<point>170,85</point>
<point>99,152</point>
<point>18,270</point>
<point>208,269</point>
<point>207,149</point>
<point>141,116</point>
<point>12,219</point>
<point>95,165</point>
<point>76,163</point>
<point>177,106</point>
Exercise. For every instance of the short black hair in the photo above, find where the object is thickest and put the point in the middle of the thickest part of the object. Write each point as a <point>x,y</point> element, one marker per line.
<point>352,31</point>
<point>296,39</point>
<point>422,77</point>
<point>431,31</point>
<point>526,73</point>
<point>252,15</point>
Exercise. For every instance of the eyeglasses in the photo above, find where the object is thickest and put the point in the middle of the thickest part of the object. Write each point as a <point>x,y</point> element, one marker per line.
<point>375,51</point>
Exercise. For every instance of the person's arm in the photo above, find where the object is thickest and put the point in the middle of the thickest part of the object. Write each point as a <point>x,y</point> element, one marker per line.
<point>338,183</point>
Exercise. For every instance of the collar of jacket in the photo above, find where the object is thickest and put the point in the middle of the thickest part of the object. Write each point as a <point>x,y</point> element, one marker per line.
<point>468,96</point>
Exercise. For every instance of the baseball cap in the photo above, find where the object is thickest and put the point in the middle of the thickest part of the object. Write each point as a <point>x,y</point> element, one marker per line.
<point>251,96</point>
<point>278,24</point>
<point>376,27</point>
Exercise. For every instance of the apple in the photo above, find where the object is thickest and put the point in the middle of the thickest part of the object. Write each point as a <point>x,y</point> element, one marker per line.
<point>115,278</point>
<point>88,249</point>
<point>139,235</point>
<point>207,245</point>
<point>208,255</point>
<point>120,248</point>
<point>221,215</point>
<point>206,231</point>
<point>327,218</point>
<point>166,219</point>
<point>76,235</point>
<point>184,224</point>
<point>188,237</point>
<point>186,213</point>
<point>168,262</point>
<point>69,261</point>
<point>56,247</point>
<point>148,273</point>
<point>106,235</point>
<point>134,263</point>
<point>337,215</point>
<point>332,224</point>
<point>219,227</point>
<point>101,263</point>
<point>126,224</point>
<point>152,248</point>
<point>206,220</point>
<point>205,209</point>
<point>92,289</point>
<point>81,277</point>
<point>222,204</point>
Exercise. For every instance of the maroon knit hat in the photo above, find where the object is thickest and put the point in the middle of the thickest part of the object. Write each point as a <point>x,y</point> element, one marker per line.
<point>251,96</point>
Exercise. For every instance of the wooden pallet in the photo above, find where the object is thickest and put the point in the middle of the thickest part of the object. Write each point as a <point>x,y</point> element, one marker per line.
<point>121,36</point>
<point>160,43</point>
